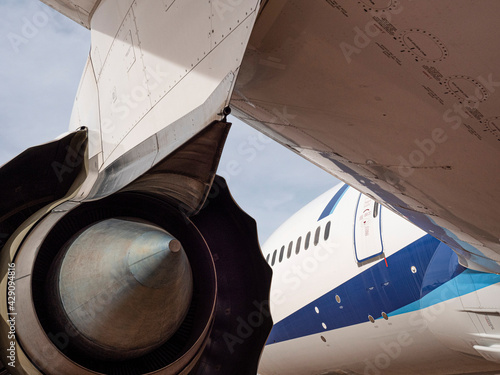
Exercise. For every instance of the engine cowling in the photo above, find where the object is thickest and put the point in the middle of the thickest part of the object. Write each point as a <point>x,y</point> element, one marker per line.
<point>135,284</point>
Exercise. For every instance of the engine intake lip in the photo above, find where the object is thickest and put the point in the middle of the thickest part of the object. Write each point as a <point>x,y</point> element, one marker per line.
<point>52,350</point>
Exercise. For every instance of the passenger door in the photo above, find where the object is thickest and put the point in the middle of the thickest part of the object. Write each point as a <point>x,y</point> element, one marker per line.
<point>367,233</point>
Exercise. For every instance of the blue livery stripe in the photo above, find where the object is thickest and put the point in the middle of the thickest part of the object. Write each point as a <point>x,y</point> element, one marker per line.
<point>330,207</point>
<point>394,290</point>
<point>449,290</point>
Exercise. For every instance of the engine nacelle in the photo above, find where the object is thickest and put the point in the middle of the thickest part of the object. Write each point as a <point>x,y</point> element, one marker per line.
<point>134,284</point>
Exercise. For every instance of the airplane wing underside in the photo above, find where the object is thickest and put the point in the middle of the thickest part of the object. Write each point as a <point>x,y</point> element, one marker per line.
<point>397,98</point>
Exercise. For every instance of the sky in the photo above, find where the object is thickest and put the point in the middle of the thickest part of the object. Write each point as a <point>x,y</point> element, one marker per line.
<point>42,55</point>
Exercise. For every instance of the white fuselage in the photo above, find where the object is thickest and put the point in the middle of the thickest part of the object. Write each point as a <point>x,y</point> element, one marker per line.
<point>373,294</point>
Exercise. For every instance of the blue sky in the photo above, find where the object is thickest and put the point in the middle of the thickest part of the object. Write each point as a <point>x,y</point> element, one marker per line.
<point>42,55</point>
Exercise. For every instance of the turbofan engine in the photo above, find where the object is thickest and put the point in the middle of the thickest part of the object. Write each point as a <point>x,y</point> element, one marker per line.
<point>137,282</point>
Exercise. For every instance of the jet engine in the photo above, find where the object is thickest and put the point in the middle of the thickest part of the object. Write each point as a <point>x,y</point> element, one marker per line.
<point>164,276</point>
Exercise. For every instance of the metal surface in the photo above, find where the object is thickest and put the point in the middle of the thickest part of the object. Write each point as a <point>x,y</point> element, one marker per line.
<point>242,319</point>
<point>141,99</point>
<point>397,98</point>
<point>38,177</point>
<point>182,179</point>
<point>48,346</point>
<point>120,288</point>
<point>231,283</point>
<point>186,175</point>
<point>80,11</point>
<point>136,161</point>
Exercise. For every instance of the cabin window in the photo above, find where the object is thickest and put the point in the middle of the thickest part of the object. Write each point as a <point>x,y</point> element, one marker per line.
<point>282,252</point>
<point>308,238</point>
<point>375,209</point>
<point>290,247</point>
<point>316,236</point>
<point>297,247</point>
<point>327,230</point>
<point>267,258</point>
<point>274,257</point>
